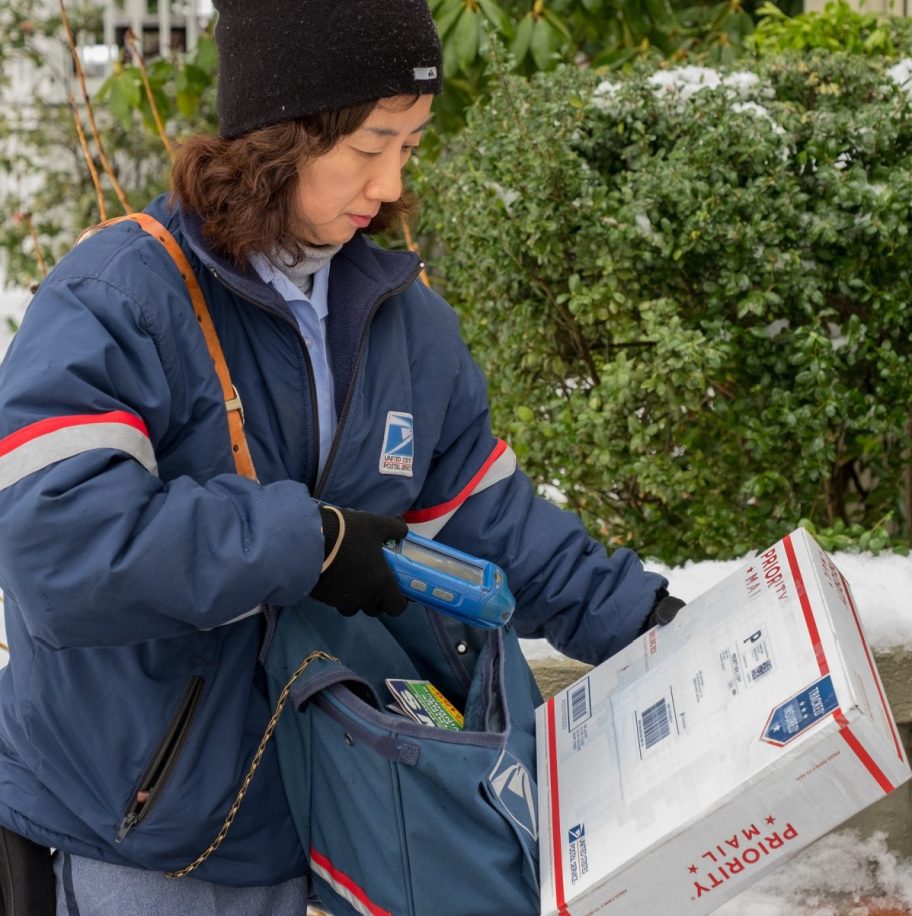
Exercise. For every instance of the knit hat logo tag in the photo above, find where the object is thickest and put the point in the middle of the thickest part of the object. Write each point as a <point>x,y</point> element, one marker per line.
<point>425,73</point>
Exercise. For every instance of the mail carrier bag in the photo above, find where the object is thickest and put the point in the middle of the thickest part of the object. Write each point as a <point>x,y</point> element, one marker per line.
<point>399,817</point>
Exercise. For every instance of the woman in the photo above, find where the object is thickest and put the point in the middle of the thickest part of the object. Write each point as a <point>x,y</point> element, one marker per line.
<point>135,561</point>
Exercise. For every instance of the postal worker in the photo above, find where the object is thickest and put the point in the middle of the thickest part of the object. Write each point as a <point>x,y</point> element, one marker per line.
<point>141,571</point>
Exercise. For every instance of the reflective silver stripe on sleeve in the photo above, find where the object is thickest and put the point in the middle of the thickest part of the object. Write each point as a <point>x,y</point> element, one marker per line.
<point>500,469</point>
<point>69,441</point>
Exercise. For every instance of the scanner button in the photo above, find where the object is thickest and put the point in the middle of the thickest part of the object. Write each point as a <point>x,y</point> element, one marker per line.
<point>442,594</point>
<point>418,586</point>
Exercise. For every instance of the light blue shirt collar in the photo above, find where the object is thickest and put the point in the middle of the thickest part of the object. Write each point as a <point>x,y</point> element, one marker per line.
<point>318,298</point>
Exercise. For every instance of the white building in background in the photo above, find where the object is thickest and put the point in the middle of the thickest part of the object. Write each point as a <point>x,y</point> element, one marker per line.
<point>165,26</point>
<point>895,7</point>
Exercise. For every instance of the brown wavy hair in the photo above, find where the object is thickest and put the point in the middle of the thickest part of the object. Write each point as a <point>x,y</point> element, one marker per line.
<point>245,188</point>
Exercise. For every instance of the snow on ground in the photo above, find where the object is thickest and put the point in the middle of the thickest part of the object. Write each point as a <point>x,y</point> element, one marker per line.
<point>881,586</point>
<point>832,876</point>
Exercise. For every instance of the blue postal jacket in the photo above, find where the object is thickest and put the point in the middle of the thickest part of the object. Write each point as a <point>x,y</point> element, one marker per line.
<point>132,555</point>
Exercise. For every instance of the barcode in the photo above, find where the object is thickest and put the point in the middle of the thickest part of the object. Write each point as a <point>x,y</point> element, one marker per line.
<point>579,704</point>
<point>656,725</point>
<point>761,669</point>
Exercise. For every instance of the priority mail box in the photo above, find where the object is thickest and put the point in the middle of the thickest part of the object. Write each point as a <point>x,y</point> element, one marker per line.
<point>711,750</point>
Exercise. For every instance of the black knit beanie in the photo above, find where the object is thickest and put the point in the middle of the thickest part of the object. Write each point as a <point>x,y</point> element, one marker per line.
<point>284,59</point>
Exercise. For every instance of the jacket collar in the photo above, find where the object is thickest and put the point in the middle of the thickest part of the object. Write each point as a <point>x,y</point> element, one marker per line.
<point>362,275</point>
<point>375,272</point>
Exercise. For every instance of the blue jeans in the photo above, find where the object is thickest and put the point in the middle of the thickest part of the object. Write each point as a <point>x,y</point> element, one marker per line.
<point>86,887</point>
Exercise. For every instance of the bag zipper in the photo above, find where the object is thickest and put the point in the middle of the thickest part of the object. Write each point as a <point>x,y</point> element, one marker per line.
<point>159,769</point>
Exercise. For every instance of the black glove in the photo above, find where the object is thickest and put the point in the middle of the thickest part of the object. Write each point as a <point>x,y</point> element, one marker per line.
<point>356,576</point>
<point>664,610</point>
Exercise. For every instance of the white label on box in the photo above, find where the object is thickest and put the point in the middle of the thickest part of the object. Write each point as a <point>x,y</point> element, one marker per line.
<point>746,660</point>
<point>668,726</point>
<point>756,657</point>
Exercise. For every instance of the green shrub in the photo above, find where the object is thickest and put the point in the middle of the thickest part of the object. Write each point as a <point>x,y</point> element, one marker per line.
<point>693,306</point>
<point>540,34</point>
<point>838,27</point>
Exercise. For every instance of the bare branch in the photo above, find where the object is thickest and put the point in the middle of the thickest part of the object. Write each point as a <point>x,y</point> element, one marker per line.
<point>96,136</point>
<point>159,126</point>
<point>39,254</point>
<point>90,162</point>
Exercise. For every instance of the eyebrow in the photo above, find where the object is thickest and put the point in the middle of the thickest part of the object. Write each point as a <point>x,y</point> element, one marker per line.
<point>388,132</point>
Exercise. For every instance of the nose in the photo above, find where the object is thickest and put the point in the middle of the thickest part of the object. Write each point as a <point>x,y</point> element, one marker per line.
<point>385,183</point>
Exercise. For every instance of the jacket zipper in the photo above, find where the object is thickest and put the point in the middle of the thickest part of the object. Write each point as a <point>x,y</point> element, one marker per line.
<point>314,411</point>
<point>162,764</point>
<point>311,379</point>
<point>337,438</point>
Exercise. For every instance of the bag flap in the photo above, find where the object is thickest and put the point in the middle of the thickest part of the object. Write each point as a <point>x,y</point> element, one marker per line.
<point>365,652</point>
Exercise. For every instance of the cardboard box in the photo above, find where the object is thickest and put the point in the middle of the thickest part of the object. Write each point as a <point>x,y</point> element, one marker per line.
<point>711,750</point>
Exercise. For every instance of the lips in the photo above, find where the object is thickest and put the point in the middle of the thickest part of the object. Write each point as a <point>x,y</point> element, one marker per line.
<point>362,222</point>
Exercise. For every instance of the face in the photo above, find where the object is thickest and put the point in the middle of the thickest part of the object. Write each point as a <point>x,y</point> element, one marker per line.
<point>341,191</point>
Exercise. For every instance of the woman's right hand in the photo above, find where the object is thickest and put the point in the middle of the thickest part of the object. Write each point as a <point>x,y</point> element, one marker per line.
<point>356,576</point>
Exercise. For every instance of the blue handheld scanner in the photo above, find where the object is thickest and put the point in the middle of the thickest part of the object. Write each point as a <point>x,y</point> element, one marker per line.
<point>465,587</point>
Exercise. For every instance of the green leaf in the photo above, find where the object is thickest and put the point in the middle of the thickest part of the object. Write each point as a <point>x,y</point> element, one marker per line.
<point>187,93</point>
<point>542,37</point>
<point>660,12</point>
<point>523,39</point>
<point>466,35</point>
<point>496,16</point>
<point>206,55</point>
<point>187,103</point>
<point>448,14</point>
<point>125,95</point>
<point>164,104</point>
<point>160,70</point>
<point>557,23</point>
<point>195,78</point>
<point>769,10</point>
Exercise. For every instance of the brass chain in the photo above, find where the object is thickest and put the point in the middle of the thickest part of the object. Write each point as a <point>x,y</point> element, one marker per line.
<point>257,757</point>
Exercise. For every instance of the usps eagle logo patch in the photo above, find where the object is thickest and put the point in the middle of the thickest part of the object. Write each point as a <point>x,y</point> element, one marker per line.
<point>398,453</point>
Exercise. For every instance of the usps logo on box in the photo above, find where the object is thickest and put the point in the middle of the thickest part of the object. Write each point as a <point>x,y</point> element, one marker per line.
<point>576,852</point>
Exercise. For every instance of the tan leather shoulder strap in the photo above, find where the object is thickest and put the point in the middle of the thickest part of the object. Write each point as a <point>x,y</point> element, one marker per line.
<point>242,460</point>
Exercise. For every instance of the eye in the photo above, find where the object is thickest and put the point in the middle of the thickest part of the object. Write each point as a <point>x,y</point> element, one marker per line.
<point>368,153</point>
